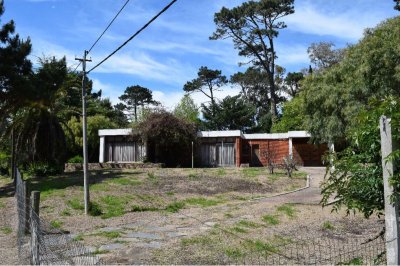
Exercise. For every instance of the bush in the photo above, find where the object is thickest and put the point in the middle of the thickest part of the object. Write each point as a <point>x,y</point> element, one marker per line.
<point>76,159</point>
<point>42,169</point>
<point>4,161</point>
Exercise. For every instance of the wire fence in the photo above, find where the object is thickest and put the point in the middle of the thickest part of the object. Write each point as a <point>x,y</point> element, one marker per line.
<point>40,243</point>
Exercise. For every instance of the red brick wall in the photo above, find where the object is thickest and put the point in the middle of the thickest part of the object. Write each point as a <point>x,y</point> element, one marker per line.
<point>280,148</point>
<point>308,154</point>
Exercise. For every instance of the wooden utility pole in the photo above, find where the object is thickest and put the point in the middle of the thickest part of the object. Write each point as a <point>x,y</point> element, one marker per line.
<point>388,145</point>
<point>84,129</point>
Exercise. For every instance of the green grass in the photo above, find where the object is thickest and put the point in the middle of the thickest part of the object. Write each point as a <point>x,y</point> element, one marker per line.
<point>152,176</point>
<point>270,219</point>
<point>95,209</point>
<point>287,209</point>
<point>228,215</point>
<point>98,252</point>
<point>103,186</point>
<point>234,253</point>
<point>203,202</point>
<point>54,185</point>
<point>65,212</point>
<point>75,204</point>
<point>327,226</point>
<point>248,224</point>
<point>78,237</point>
<point>238,229</point>
<point>170,193</point>
<point>196,240</point>
<point>2,205</point>
<point>221,172</point>
<point>355,261</point>
<point>109,234</point>
<point>56,224</point>
<point>125,181</point>
<point>260,246</point>
<point>175,206</point>
<point>194,176</point>
<point>252,172</point>
<point>113,206</point>
<point>6,230</point>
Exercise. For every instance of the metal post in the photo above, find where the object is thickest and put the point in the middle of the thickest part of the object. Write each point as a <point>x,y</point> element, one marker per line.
<point>84,129</point>
<point>35,224</point>
<point>192,156</point>
<point>391,208</point>
<point>27,206</point>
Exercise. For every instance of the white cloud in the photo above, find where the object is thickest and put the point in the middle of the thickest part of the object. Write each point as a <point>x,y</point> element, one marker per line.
<point>144,66</point>
<point>348,25</point>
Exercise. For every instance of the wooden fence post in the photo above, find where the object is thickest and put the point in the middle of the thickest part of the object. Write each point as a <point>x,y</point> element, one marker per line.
<point>35,224</point>
<point>391,209</point>
<point>26,213</point>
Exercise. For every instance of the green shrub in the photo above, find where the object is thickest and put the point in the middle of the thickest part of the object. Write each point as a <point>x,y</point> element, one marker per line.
<point>43,169</point>
<point>76,204</point>
<point>76,159</point>
<point>4,163</point>
<point>95,209</point>
<point>175,206</point>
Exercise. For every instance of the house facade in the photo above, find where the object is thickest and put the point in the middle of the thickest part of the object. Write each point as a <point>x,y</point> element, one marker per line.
<point>220,148</point>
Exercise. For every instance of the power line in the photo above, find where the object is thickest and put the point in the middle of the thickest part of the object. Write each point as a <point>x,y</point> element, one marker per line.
<point>134,35</point>
<point>101,35</point>
<point>109,24</point>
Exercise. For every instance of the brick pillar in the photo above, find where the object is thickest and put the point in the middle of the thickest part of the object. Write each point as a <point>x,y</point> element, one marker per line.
<point>238,145</point>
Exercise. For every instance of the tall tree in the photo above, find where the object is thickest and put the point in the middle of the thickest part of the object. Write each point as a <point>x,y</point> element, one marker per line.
<point>231,113</point>
<point>136,96</point>
<point>187,110</point>
<point>208,81</point>
<point>253,27</point>
<point>324,55</point>
<point>292,83</point>
<point>397,4</point>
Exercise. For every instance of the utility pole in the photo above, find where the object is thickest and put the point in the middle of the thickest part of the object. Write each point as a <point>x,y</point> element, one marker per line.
<point>392,230</point>
<point>84,129</point>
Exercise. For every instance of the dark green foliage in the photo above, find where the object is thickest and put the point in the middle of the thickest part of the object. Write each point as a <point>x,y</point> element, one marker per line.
<point>170,137</point>
<point>208,81</point>
<point>292,116</point>
<point>231,113</point>
<point>136,96</point>
<point>397,4</point>
<point>370,69</point>
<point>43,169</point>
<point>253,26</point>
<point>356,181</point>
<point>292,83</point>
<point>76,159</point>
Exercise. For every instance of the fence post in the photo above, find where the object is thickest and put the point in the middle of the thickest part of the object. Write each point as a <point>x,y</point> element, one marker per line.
<point>25,197</point>
<point>391,209</point>
<point>35,223</point>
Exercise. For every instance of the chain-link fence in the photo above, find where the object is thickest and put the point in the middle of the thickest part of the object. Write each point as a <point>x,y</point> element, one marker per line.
<point>41,243</point>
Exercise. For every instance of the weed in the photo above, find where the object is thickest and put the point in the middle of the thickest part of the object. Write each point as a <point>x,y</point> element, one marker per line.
<point>221,172</point>
<point>2,205</point>
<point>248,224</point>
<point>270,219</point>
<point>203,202</point>
<point>95,209</point>
<point>78,237</point>
<point>109,234</point>
<point>170,193</point>
<point>234,253</point>
<point>287,209</point>
<point>354,261</point>
<point>197,240</point>
<point>279,240</point>
<point>175,206</point>
<point>238,229</point>
<point>75,204</point>
<point>193,176</point>
<point>327,226</point>
<point>100,187</point>
<point>65,212</point>
<point>6,230</point>
<point>98,252</point>
<point>56,224</point>
<point>152,176</point>
<point>228,215</point>
<point>261,246</point>
<point>137,208</point>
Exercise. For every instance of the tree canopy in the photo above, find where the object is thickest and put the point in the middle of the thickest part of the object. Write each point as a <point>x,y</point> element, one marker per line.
<point>253,26</point>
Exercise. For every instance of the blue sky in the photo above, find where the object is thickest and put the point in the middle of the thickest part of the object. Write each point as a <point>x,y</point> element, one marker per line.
<point>171,50</point>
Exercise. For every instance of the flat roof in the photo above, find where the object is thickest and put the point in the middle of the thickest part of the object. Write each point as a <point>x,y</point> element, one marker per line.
<point>116,132</point>
<point>219,134</point>
<point>266,136</point>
